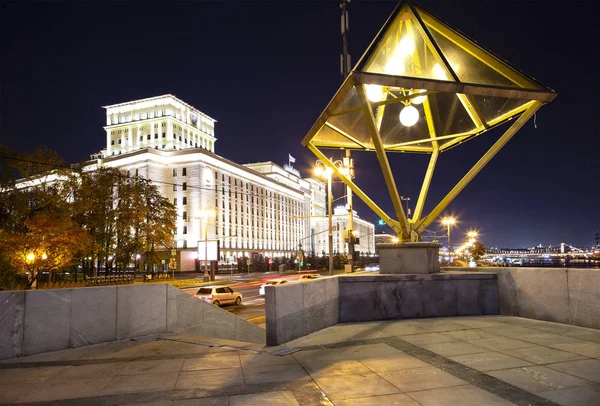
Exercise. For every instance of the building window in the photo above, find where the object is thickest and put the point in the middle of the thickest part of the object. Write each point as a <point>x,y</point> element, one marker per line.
<point>184,243</point>
<point>155,125</point>
<point>112,142</point>
<point>174,136</point>
<point>164,146</point>
<point>184,201</point>
<point>141,138</point>
<point>119,140</point>
<point>184,171</point>
<point>184,187</point>
<point>155,136</point>
<point>164,135</point>
<point>174,188</point>
<point>149,136</point>
<point>184,229</point>
<point>174,171</point>
<point>180,138</point>
<point>175,202</point>
<point>185,215</point>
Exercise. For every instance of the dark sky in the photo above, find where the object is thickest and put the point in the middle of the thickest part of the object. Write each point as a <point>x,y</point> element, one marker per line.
<point>266,69</point>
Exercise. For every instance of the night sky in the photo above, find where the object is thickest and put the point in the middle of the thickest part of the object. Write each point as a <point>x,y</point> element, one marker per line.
<point>266,70</point>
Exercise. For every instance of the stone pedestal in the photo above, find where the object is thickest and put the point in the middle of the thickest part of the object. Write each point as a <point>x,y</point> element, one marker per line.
<point>409,258</point>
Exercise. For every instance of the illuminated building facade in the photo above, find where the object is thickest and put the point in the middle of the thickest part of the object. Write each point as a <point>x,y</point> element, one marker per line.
<point>256,209</point>
<point>364,231</point>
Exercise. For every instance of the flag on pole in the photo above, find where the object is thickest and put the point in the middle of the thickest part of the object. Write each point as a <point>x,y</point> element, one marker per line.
<point>291,159</point>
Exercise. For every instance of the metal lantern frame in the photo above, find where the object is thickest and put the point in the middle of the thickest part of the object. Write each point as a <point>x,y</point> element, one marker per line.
<point>468,90</point>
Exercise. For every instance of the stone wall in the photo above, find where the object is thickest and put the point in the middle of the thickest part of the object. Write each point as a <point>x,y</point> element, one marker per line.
<point>37,321</point>
<point>386,297</point>
<point>570,296</point>
<point>296,309</point>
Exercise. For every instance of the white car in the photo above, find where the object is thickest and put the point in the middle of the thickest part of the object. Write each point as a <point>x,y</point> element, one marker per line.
<point>219,295</point>
<point>261,291</point>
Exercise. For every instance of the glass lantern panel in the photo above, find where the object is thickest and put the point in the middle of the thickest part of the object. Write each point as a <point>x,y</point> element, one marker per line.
<point>403,51</point>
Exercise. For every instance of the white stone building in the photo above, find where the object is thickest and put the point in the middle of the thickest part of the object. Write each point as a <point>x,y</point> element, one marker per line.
<point>255,209</point>
<point>364,231</point>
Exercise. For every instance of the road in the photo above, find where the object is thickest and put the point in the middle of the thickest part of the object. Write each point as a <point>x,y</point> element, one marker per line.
<point>252,307</point>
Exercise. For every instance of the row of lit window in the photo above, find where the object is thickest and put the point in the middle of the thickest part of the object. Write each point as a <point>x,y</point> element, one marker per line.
<point>160,113</point>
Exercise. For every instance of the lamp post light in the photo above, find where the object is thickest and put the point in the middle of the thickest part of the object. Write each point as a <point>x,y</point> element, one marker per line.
<point>323,171</point>
<point>406,199</point>
<point>204,215</point>
<point>449,221</point>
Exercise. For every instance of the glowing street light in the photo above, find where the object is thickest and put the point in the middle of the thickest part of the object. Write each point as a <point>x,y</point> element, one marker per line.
<point>472,234</point>
<point>323,171</point>
<point>449,221</point>
<point>30,257</point>
<point>204,214</point>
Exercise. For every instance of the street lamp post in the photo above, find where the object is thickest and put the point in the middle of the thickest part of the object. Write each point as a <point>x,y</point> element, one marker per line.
<point>204,215</point>
<point>449,221</point>
<point>406,199</point>
<point>323,171</point>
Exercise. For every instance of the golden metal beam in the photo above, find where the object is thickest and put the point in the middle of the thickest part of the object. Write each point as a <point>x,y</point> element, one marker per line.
<point>432,161</point>
<point>395,225</point>
<point>425,186</point>
<point>383,161</point>
<point>345,134</point>
<point>333,104</point>
<point>433,139</point>
<point>472,110</point>
<point>453,87</point>
<point>511,113</point>
<point>491,123</point>
<point>425,222</point>
<point>477,52</point>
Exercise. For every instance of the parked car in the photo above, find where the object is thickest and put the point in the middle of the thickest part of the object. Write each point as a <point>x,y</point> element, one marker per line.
<point>219,295</point>
<point>372,267</point>
<point>309,276</point>
<point>261,291</point>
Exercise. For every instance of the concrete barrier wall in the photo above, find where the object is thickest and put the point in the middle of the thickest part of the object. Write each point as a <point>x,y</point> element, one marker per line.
<point>386,297</point>
<point>296,309</point>
<point>570,296</point>
<point>37,321</point>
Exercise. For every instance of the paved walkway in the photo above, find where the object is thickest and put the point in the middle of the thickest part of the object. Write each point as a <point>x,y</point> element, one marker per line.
<point>493,360</point>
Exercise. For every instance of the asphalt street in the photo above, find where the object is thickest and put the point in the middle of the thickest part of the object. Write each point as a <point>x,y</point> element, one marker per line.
<point>252,307</point>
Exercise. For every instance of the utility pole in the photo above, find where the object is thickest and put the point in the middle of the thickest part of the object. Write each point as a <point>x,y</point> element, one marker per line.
<point>349,165</point>
<point>345,64</point>
<point>345,67</point>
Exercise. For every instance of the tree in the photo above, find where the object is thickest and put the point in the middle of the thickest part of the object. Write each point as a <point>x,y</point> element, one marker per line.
<point>158,226</point>
<point>477,251</point>
<point>52,243</point>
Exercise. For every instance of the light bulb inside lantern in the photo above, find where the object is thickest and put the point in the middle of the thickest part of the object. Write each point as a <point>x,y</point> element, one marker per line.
<point>438,72</point>
<point>409,116</point>
<point>395,65</point>
<point>318,171</point>
<point>406,46</point>
<point>419,99</point>
<point>374,93</point>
